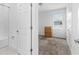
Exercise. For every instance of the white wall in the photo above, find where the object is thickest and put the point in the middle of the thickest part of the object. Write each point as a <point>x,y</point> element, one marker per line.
<point>75,31</point>
<point>4,26</point>
<point>72,28</point>
<point>46,18</point>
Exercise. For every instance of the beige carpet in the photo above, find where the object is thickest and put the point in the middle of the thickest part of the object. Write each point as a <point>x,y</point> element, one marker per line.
<point>53,46</point>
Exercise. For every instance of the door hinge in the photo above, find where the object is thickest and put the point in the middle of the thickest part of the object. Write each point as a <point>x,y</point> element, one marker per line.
<point>31,4</point>
<point>31,27</point>
<point>31,50</point>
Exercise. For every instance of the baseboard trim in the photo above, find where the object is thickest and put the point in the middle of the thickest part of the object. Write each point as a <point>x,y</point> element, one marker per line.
<point>51,37</point>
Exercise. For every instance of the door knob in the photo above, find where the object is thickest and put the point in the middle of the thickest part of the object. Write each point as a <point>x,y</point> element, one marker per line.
<point>17,31</point>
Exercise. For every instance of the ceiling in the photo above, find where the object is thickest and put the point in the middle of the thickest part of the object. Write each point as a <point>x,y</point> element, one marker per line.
<point>51,6</point>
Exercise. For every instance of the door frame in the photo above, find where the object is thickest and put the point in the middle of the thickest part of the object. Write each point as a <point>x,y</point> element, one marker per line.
<point>37,42</point>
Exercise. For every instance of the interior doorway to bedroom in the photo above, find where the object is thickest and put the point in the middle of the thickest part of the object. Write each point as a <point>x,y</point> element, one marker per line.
<point>52,29</point>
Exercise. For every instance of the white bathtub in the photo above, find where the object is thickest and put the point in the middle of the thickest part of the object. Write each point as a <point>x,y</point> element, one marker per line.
<point>3,42</point>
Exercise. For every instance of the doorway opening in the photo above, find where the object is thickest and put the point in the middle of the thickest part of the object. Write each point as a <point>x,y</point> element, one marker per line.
<point>52,29</point>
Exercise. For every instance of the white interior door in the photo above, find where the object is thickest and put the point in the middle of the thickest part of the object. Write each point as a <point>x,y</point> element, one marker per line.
<point>24,24</point>
<point>20,22</point>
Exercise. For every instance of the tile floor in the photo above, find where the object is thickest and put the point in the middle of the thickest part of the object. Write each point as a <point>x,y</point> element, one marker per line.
<point>7,51</point>
<point>53,46</point>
